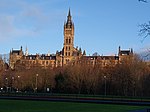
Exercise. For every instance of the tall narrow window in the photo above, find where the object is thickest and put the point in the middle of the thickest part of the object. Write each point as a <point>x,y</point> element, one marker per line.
<point>46,62</point>
<point>66,53</point>
<point>66,41</point>
<point>69,41</point>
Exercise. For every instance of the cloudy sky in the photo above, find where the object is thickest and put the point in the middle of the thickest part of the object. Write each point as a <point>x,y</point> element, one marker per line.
<point>100,25</point>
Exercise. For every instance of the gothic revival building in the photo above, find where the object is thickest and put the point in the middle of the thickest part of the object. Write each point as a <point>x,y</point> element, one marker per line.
<point>68,55</point>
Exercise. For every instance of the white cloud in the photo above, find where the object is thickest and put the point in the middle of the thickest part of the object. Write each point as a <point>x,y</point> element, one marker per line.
<point>8,29</point>
<point>20,18</point>
<point>8,20</point>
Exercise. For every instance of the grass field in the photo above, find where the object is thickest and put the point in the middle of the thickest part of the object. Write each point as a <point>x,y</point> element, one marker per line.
<point>45,106</point>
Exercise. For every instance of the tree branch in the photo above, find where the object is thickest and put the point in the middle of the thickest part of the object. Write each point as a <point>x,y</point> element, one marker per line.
<point>144,30</point>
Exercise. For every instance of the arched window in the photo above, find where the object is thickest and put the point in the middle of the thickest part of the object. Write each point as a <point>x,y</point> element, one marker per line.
<point>69,41</point>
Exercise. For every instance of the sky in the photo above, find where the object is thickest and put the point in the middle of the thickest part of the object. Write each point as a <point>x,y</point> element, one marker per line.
<point>100,25</point>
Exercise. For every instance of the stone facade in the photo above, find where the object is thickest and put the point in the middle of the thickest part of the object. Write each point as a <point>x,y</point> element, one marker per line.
<point>1,63</point>
<point>14,56</point>
<point>68,55</point>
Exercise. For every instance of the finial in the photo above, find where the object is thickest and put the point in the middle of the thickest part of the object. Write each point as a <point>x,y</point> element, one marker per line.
<point>84,53</point>
<point>119,48</point>
<point>26,53</point>
<point>131,50</point>
<point>21,48</point>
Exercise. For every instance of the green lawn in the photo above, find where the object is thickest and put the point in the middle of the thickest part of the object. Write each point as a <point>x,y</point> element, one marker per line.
<point>45,106</point>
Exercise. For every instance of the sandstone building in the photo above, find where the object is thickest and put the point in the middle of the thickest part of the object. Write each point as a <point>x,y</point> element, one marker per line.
<point>68,55</point>
<point>1,64</point>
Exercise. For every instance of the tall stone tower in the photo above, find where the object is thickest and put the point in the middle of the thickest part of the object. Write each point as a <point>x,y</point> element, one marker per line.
<point>68,40</point>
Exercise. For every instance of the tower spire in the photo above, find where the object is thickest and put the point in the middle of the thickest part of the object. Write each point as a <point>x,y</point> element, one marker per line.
<point>69,21</point>
<point>26,53</point>
<point>69,14</point>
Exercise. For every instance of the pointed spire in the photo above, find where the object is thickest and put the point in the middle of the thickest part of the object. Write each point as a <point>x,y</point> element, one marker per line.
<point>69,23</point>
<point>84,53</point>
<point>26,53</point>
<point>48,53</point>
<point>131,50</point>
<point>69,14</point>
<point>21,48</point>
<point>69,17</point>
<point>119,48</point>
<point>80,50</point>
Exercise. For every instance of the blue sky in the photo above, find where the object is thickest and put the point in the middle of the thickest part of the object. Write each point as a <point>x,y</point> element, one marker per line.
<point>100,25</point>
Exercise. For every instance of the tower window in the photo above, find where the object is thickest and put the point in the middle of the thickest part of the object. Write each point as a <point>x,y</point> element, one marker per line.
<point>66,40</point>
<point>66,53</point>
<point>66,48</point>
<point>69,47</point>
<point>46,62</point>
<point>69,41</point>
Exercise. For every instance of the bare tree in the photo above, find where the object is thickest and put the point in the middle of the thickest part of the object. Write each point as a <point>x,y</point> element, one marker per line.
<point>145,27</point>
<point>144,30</point>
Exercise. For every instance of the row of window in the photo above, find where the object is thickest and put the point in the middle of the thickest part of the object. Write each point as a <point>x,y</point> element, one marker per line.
<point>41,62</point>
<point>43,58</point>
<point>68,54</point>
<point>99,62</point>
<point>67,48</point>
<point>68,41</point>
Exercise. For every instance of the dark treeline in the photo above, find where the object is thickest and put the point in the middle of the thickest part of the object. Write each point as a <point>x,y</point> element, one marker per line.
<point>130,78</point>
